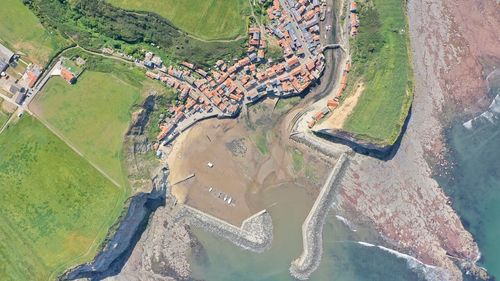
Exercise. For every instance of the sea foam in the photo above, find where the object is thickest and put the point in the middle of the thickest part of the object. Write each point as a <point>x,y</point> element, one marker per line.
<point>429,272</point>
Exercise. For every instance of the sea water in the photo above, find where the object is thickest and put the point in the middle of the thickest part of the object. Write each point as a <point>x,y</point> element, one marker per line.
<point>344,259</point>
<point>474,183</point>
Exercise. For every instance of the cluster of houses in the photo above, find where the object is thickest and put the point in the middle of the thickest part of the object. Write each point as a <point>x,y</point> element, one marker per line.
<point>331,104</point>
<point>334,102</point>
<point>230,85</point>
<point>354,18</point>
<point>24,76</point>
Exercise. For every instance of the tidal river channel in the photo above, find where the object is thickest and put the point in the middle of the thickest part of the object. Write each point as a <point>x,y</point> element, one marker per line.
<point>343,259</point>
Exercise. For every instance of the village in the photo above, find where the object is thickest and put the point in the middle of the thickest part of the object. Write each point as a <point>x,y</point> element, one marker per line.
<point>229,87</point>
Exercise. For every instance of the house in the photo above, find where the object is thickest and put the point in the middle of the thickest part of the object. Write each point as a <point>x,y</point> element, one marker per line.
<point>332,103</point>
<point>21,97</point>
<point>68,75</point>
<point>354,7</point>
<point>6,57</point>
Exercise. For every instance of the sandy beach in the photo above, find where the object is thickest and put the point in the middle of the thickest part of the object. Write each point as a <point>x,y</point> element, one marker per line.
<point>239,168</point>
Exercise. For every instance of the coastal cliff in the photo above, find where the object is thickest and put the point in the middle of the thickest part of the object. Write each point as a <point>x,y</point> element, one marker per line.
<point>399,196</point>
<point>110,260</point>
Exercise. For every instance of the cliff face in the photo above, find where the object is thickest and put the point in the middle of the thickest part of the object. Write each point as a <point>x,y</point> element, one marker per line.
<point>399,195</point>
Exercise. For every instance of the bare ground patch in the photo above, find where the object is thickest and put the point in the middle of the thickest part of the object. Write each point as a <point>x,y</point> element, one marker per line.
<point>337,119</point>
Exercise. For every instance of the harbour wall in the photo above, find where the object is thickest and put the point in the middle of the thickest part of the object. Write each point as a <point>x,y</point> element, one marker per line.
<point>255,233</point>
<point>312,228</point>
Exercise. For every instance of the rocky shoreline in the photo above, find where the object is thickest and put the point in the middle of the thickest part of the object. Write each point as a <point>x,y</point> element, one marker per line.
<point>110,260</point>
<point>312,229</point>
<point>397,196</point>
<point>382,152</point>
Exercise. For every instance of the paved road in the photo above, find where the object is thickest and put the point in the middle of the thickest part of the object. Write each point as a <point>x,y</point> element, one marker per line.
<point>297,29</point>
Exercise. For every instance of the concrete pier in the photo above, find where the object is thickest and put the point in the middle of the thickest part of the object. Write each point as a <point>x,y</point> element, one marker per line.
<point>312,229</point>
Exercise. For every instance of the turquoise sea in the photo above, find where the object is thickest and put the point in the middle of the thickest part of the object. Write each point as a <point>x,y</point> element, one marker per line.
<point>474,184</point>
<point>343,259</point>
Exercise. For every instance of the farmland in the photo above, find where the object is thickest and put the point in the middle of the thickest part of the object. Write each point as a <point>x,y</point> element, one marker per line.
<point>208,20</point>
<point>56,208</point>
<point>21,31</point>
<point>93,114</point>
<point>381,61</point>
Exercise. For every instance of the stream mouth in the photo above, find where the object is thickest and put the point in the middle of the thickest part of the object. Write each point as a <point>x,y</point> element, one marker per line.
<point>117,250</point>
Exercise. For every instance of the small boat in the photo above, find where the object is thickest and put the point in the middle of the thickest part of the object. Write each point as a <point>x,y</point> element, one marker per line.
<point>225,198</point>
<point>210,189</point>
<point>229,201</point>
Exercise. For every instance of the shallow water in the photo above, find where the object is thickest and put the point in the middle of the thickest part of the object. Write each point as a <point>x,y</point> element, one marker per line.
<point>343,259</point>
<point>474,185</point>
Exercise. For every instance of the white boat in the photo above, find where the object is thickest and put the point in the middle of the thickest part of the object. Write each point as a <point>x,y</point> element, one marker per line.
<point>229,201</point>
<point>210,189</point>
<point>225,198</point>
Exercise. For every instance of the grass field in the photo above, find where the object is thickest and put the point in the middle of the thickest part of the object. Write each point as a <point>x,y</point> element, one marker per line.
<point>56,208</point>
<point>260,140</point>
<point>93,115</point>
<point>381,60</point>
<point>205,19</point>
<point>21,31</point>
<point>4,116</point>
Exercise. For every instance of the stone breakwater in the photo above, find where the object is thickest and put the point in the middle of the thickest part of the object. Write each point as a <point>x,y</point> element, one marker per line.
<point>255,233</point>
<point>312,229</point>
<point>322,146</point>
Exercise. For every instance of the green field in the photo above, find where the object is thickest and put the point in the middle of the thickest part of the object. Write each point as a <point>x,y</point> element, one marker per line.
<point>205,19</point>
<point>93,115</point>
<point>381,61</point>
<point>4,116</point>
<point>21,31</point>
<point>56,208</point>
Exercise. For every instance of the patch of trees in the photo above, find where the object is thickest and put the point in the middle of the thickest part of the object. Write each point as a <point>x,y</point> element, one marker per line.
<point>93,23</point>
<point>370,40</point>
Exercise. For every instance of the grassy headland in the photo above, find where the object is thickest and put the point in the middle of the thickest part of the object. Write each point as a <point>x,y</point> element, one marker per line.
<point>56,208</point>
<point>21,31</point>
<point>94,113</point>
<point>381,61</point>
<point>208,20</point>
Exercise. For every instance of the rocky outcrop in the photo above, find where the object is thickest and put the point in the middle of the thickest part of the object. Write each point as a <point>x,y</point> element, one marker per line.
<point>399,196</point>
<point>110,260</point>
<point>163,251</point>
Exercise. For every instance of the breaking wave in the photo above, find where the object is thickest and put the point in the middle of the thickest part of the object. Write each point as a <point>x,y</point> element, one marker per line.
<point>429,272</point>
<point>346,222</point>
<point>492,114</point>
